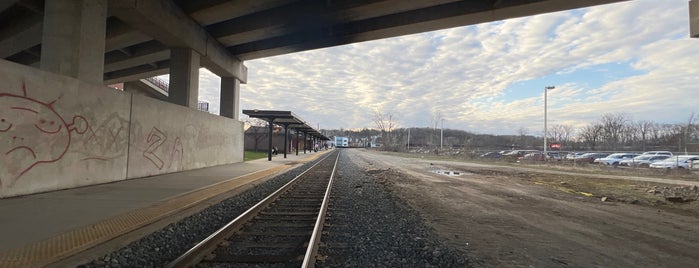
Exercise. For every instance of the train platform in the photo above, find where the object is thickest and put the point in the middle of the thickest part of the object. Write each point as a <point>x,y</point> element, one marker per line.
<point>43,228</point>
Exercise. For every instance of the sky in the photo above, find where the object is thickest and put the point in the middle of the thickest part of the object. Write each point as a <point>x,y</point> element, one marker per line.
<point>633,58</point>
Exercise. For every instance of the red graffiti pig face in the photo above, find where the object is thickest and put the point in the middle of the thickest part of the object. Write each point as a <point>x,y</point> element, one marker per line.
<point>31,132</point>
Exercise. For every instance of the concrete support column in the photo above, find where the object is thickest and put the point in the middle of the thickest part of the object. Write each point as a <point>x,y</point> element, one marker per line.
<point>184,77</point>
<point>73,38</point>
<point>694,18</point>
<point>230,97</point>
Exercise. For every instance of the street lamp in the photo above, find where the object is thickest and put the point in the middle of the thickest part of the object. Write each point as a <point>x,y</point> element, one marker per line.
<point>546,90</point>
<point>441,135</point>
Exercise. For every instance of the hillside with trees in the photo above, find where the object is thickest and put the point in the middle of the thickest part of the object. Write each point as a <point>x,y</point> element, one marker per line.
<point>611,132</point>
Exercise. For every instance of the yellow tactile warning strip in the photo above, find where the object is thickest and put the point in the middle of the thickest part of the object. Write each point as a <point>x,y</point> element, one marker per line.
<point>61,246</point>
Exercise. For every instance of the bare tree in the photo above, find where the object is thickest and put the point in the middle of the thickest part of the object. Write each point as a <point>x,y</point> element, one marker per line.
<point>644,128</point>
<point>612,126</point>
<point>688,129</point>
<point>258,130</point>
<point>591,135</point>
<point>523,132</point>
<point>628,134</point>
<point>385,122</point>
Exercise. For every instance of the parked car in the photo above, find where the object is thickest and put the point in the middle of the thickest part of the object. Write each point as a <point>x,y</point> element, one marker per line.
<point>614,159</point>
<point>491,155</point>
<point>657,153</point>
<point>572,155</point>
<point>678,161</point>
<point>535,156</point>
<point>590,157</point>
<point>643,160</point>
<point>554,156</point>
<point>519,153</point>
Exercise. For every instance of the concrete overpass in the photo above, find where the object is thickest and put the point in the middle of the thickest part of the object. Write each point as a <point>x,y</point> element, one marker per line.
<point>62,128</point>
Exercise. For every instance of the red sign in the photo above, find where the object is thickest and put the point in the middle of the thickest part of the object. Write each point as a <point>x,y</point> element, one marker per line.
<point>555,146</point>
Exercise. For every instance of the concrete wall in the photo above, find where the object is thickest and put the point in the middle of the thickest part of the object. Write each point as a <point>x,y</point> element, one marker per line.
<point>168,138</point>
<point>57,132</point>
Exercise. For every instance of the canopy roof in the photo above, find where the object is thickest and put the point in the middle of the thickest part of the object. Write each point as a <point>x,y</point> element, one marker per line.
<point>287,119</point>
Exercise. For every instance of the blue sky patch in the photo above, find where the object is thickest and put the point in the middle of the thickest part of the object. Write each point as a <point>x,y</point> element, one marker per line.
<point>590,77</point>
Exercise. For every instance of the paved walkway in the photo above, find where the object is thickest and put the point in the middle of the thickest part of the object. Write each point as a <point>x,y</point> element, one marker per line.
<point>39,228</point>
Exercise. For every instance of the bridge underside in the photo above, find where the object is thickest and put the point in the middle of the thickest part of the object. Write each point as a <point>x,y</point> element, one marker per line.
<point>60,127</point>
<point>140,34</point>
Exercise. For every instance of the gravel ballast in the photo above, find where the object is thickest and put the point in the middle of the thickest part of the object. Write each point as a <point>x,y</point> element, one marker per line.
<point>368,227</point>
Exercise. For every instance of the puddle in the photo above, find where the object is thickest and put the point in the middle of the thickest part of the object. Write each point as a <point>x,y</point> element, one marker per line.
<point>449,172</point>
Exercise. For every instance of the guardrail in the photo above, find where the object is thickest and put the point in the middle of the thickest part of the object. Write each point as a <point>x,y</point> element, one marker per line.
<point>160,83</point>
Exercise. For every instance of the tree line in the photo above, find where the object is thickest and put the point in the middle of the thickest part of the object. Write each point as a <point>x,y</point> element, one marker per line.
<point>611,132</point>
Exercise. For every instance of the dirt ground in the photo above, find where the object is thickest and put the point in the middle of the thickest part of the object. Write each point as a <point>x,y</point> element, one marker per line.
<point>513,217</point>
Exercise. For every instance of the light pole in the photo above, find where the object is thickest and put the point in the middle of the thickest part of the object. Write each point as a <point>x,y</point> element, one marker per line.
<point>441,135</point>
<point>546,90</point>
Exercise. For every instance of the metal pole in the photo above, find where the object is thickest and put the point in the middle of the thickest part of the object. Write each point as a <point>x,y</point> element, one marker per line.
<point>441,136</point>
<point>408,139</point>
<point>546,90</point>
<point>297,141</point>
<point>269,147</point>
<point>286,136</point>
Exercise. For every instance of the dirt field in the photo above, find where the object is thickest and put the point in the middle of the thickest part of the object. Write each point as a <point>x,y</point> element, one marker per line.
<point>514,217</point>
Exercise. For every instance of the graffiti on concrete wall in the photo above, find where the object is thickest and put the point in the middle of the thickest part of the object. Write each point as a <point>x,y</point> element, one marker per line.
<point>33,133</point>
<point>107,140</point>
<point>158,154</point>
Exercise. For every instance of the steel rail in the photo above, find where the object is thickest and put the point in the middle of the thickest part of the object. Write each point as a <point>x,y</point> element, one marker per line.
<point>312,250</point>
<point>195,254</point>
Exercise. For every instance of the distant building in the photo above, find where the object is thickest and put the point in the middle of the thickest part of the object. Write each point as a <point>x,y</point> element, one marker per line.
<point>341,141</point>
<point>203,106</point>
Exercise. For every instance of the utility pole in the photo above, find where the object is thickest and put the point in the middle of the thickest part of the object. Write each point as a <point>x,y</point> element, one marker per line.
<point>546,89</point>
<point>408,140</point>
<point>441,136</point>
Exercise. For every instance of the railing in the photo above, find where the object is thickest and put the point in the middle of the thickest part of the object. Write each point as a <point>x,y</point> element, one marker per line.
<point>160,83</point>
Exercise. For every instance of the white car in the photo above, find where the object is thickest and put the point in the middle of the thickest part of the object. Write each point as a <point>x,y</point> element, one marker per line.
<point>614,159</point>
<point>642,160</point>
<point>679,161</point>
<point>657,153</point>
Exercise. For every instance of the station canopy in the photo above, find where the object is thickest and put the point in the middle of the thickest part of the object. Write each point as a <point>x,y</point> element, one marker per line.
<point>287,119</point>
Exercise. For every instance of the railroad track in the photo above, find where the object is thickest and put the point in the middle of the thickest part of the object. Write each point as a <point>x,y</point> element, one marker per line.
<point>281,230</point>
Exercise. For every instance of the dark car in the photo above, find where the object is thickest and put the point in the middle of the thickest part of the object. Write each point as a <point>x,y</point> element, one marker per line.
<point>590,157</point>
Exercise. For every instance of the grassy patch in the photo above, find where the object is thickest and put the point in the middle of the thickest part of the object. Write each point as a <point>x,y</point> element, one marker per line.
<point>252,155</point>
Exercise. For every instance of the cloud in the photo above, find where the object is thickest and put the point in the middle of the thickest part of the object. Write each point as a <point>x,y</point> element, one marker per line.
<point>470,74</point>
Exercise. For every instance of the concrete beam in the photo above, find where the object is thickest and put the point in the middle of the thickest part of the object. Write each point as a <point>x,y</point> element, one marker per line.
<point>121,35</point>
<point>22,40</point>
<point>694,18</point>
<point>233,9</point>
<point>137,60</point>
<point>433,18</point>
<point>164,21</point>
<point>136,74</point>
<point>278,22</point>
